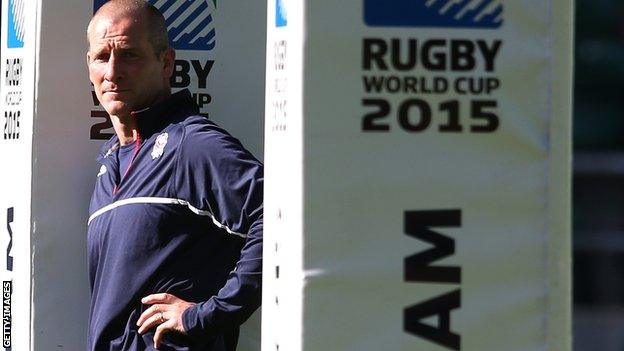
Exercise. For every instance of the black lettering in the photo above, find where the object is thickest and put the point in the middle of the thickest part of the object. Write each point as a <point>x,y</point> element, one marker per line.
<point>453,125</point>
<point>424,113</point>
<point>13,72</point>
<point>440,85</point>
<point>491,85</point>
<point>434,61</point>
<point>373,83</point>
<point>6,314</point>
<point>202,99</point>
<point>424,88</point>
<point>9,258</point>
<point>96,101</point>
<point>411,85</point>
<point>202,72</point>
<point>462,55</point>
<point>410,61</point>
<point>383,110</point>
<point>12,116</point>
<point>181,77</point>
<point>477,85</point>
<point>417,267</point>
<point>374,52</point>
<point>440,306</point>
<point>17,124</point>
<point>491,118</point>
<point>279,54</point>
<point>458,85</point>
<point>97,130</point>
<point>12,125</point>
<point>489,53</point>
<point>13,98</point>
<point>393,84</point>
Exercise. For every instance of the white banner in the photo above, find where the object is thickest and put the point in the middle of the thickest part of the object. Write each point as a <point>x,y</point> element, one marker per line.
<point>418,175</point>
<point>16,91</point>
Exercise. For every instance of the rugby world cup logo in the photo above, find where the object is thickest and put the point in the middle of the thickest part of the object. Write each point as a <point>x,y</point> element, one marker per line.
<point>189,22</point>
<point>434,13</point>
<point>281,13</point>
<point>15,24</point>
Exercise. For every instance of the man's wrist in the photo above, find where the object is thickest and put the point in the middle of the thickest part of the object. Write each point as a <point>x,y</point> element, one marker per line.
<point>190,321</point>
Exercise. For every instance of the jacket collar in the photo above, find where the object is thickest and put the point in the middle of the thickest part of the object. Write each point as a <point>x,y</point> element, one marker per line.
<point>153,119</point>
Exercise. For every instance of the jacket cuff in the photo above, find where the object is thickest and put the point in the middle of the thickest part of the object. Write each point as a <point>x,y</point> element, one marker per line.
<point>192,323</point>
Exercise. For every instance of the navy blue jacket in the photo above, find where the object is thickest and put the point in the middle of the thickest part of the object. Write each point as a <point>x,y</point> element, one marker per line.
<point>186,219</point>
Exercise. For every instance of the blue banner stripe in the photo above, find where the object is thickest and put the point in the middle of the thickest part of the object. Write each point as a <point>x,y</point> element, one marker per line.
<point>208,41</point>
<point>174,16</point>
<point>281,19</point>
<point>175,31</point>
<point>15,39</point>
<point>186,38</point>
<point>481,7</point>
<point>433,13</point>
<point>165,6</point>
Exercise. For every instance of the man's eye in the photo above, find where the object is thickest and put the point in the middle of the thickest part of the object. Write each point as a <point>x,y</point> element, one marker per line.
<point>129,55</point>
<point>101,58</point>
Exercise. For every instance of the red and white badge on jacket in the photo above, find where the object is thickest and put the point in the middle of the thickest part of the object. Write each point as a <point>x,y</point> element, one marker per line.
<point>159,145</point>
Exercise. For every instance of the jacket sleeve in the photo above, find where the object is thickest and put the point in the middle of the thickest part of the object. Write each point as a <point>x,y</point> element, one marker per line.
<point>223,180</point>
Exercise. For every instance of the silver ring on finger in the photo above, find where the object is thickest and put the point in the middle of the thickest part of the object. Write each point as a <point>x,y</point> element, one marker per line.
<point>162,318</point>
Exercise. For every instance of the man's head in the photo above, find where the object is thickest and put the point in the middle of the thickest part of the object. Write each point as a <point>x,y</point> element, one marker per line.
<point>129,59</point>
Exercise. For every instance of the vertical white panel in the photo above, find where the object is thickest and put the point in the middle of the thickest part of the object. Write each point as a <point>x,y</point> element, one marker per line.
<point>432,141</point>
<point>63,174</point>
<point>16,123</point>
<point>283,275</point>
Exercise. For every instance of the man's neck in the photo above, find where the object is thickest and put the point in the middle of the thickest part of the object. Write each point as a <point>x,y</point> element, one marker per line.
<point>126,129</point>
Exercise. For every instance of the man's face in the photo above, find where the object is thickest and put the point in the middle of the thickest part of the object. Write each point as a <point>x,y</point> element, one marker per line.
<point>125,71</point>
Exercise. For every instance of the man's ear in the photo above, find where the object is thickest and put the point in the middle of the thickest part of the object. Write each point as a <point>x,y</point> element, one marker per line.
<point>88,59</point>
<point>168,62</point>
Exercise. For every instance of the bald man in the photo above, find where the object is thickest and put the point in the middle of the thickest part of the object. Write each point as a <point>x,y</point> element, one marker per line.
<point>175,220</point>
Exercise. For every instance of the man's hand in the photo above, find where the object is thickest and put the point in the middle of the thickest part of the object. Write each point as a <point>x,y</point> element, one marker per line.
<point>165,313</point>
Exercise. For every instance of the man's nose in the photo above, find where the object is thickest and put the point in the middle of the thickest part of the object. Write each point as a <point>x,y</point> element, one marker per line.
<point>113,69</point>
